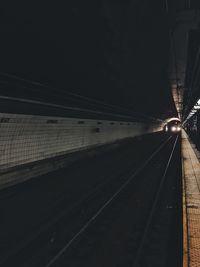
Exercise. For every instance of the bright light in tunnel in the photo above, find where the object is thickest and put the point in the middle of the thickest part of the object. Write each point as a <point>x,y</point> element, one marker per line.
<point>173,129</point>
<point>197,107</point>
<point>194,109</point>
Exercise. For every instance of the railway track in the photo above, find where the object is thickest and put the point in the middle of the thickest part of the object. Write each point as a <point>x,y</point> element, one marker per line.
<point>127,205</point>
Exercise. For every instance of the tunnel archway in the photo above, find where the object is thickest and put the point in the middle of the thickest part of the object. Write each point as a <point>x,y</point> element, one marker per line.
<point>172,125</point>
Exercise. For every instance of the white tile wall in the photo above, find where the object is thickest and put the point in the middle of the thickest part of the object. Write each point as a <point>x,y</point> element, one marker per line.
<point>27,138</point>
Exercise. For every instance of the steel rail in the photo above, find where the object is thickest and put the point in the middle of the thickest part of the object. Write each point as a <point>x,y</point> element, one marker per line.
<point>153,209</point>
<point>105,205</point>
<point>65,212</point>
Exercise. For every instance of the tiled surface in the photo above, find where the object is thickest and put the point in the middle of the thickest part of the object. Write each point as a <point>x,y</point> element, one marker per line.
<point>26,138</point>
<point>191,171</point>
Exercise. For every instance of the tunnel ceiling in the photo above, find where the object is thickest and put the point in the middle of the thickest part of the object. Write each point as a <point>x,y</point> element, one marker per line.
<point>113,51</point>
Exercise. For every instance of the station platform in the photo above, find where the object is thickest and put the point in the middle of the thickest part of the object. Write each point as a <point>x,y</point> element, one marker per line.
<point>191,204</point>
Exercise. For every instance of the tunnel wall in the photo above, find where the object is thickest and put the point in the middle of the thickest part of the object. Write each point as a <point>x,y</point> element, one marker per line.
<point>27,139</point>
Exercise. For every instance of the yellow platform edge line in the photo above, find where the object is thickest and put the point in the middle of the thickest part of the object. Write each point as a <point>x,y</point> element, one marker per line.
<point>185,222</point>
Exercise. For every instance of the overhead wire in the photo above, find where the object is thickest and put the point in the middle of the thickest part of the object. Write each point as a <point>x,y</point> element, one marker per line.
<point>69,95</point>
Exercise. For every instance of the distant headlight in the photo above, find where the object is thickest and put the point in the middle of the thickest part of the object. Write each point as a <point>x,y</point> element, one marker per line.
<point>178,128</point>
<point>174,129</point>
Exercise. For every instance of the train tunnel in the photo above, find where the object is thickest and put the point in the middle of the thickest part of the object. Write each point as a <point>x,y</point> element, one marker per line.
<point>100,133</point>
